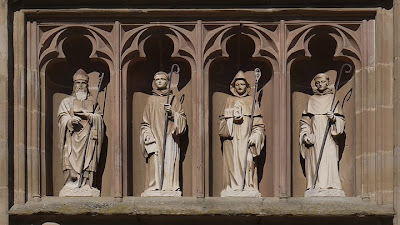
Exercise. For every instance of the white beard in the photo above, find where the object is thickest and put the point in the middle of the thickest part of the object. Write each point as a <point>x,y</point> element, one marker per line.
<point>81,95</point>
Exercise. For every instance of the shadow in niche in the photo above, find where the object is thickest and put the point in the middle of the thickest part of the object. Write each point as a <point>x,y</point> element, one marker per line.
<point>102,161</point>
<point>240,49</point>
<point>58,86</point>
<point>140,72</point>
<point>184,143</point>
<point>322,48</point>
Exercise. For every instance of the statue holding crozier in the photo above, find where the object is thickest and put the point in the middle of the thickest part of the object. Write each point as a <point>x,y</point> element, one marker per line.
<point>241,129</point>
<point>164,121</point>
<point>320,123</point>
<point>81,130</point>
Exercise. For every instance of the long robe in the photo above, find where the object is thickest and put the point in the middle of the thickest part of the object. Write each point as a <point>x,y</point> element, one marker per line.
<point>235,135</point>
<point>153,128</point>
<point>314,122</point>
<point>73,138</point>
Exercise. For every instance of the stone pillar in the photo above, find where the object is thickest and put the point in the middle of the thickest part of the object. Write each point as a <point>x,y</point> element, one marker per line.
<point>3,112</point>
<point>384,108</point>
<point>396,102</point>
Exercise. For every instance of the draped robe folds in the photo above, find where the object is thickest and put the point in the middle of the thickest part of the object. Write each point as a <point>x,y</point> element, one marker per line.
<point>314,122</point>
<point>153,128</point>
<point>235,135</point>
<point>73,138</point>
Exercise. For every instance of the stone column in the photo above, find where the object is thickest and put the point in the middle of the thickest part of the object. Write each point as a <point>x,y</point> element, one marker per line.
<point>396,102</point>
<point>3,112</point>
<point>384,108</point>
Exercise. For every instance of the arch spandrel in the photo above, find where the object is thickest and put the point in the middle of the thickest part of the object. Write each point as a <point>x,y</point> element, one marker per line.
<point>133,40</point>
<point>298,39</point>
<point>265,38</point>
<point>51,41</point>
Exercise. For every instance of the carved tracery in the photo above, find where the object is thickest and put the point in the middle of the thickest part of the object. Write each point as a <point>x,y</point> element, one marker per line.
<point>134,39</point>
<point>265,39</point>
<point>51,42</point>
<point>348,41</point>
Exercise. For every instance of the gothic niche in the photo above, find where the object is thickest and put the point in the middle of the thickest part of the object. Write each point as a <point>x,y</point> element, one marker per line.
<point>157,53</point>
<point>76,53</point>
<point>239,53</point>
<point>323,53</point>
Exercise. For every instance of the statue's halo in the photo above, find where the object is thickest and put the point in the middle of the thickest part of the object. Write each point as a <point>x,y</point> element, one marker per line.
<point>332,75</point>
<point>174,81</point>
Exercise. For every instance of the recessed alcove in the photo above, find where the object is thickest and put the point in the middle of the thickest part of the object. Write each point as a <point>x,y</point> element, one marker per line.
<point>240,49</point>
<point>158,49</point>
<point>58,85</point>
<point>323,58</point>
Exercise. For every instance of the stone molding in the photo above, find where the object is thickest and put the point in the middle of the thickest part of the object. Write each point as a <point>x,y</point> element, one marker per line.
<point>205,206</point>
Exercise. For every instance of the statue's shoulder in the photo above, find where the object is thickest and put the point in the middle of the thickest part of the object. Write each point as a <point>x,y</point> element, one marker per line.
<point>68,99</point>
<point>91,98</point>
<point>321,97</point>
<point>232,98</point>
<point>152,98</point>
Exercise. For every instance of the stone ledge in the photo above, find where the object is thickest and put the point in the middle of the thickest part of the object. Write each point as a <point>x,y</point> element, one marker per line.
<point>148,206</point>
<point>204,13</point>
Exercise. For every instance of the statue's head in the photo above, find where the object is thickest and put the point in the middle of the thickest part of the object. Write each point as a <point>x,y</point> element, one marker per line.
<point>321,81</point>
<point>239,84</point>
<point>161,80</point>
<point>81,81</point>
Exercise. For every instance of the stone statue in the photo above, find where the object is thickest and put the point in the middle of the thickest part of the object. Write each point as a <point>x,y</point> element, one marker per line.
<point>313,124</point>
<point>152,137</point>
<point>81,130</point>
<point>234,128</point>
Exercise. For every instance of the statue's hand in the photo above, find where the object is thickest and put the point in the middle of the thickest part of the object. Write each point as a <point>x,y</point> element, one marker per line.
<point>148,139</point>
<point>83,115</point>
<point>331,116</point>
<point>168,108</point>
<point>237,112</point>
<point>75,120</point>
<point>252,140</point>
<point>309,139</point>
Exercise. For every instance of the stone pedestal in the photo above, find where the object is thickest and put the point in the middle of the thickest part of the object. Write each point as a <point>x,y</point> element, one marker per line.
<point>324,193</point>
<point>244,193</point>
<point>148,193</point>
<point>72,190</point>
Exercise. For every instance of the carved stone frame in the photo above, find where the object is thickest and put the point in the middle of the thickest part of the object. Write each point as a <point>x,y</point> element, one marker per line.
<point>373,106</point>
